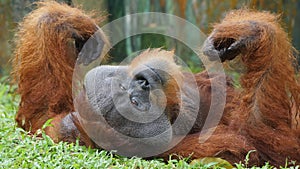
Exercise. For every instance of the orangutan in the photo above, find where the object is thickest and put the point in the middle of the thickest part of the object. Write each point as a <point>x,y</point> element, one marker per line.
<point>117,105</point>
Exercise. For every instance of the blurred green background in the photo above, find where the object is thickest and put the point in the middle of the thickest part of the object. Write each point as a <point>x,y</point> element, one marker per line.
<point>202,13</point>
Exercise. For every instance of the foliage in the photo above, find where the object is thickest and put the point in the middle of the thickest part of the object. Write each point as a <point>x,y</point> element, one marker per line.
<point>18,149</point>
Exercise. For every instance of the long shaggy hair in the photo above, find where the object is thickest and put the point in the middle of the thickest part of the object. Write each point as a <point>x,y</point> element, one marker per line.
<point>264,116</point>
<point>47,45</point>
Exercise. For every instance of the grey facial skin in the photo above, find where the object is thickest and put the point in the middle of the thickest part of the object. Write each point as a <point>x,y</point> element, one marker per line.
<point>123,110</point>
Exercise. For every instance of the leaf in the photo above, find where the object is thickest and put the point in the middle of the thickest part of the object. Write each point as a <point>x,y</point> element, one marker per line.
<point>212,161</point>
<point>47,124</point>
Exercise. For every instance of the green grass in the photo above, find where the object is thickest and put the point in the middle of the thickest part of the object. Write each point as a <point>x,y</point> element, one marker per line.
<point>20,150</point>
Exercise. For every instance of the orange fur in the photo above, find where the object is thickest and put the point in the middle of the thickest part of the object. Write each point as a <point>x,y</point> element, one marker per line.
<point>44,60</point>
<point>265,114</point>
<point>271,94</point>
